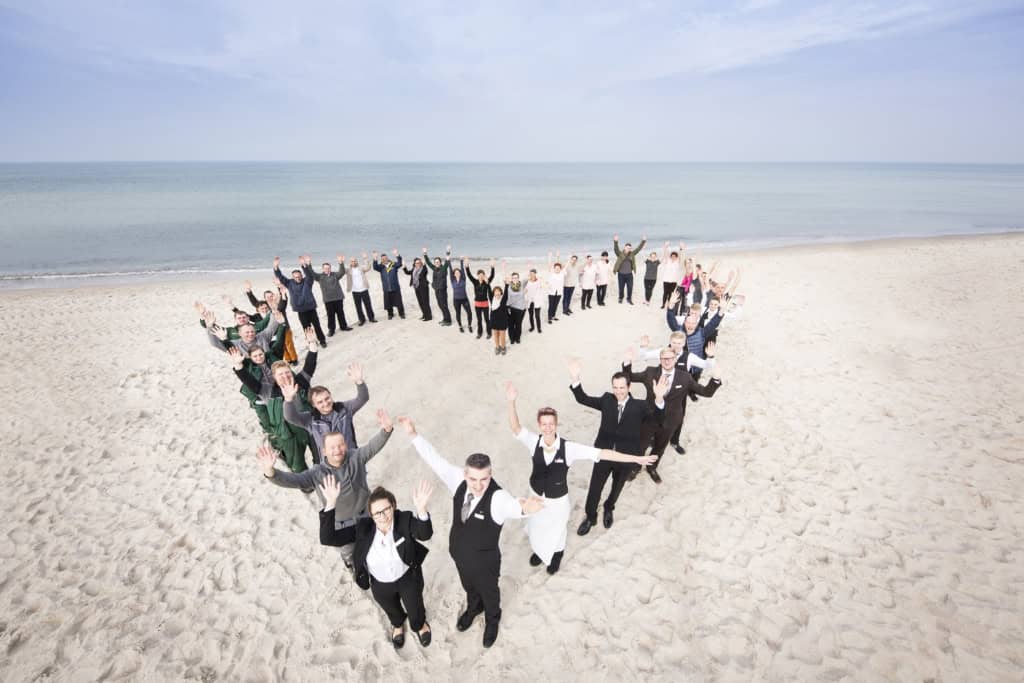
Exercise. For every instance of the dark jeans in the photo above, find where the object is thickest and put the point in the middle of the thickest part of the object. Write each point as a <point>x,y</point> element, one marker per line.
<point>602,290</point>
<point>480,581</point>
<point>423,299</point>
<point>649,289</point>
<point>666,292</point>
<point>567,299</point>
<point>534,317</point>
<point>483,317</point>
<point>553,300</point>
<point>308,318</point>
<point>407,591</point>
<point>515,324</point>
<point>442,302</point>
<point>626,286</point>
<point>463,304</point>
<point>393,300</point>
<point>362,301</point>
<point>586,298</point>
<point>619,471</point>
<point>335,311</point>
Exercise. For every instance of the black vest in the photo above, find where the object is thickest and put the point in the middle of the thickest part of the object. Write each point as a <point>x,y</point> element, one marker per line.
<point>478,534</point>
<point>550,480</point>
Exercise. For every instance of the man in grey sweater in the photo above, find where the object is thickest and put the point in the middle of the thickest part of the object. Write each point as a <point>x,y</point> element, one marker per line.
<point>333,295</point>
<point>327,415</point>
<point>348,467</point>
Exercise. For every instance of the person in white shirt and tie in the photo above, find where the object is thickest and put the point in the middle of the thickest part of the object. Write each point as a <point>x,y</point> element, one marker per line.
<point>388,555</point>
<point>552,457</point>
<point>479,509</point>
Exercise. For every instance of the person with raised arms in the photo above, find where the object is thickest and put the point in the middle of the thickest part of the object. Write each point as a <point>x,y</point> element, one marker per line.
<point>389,285</point>
<point>588,280</point>
<point>480,508</point>
<point>440,269</point>
<point>359,287</point>
<point>300,290</point>
<point>327,415</point>
<point>552,457</point>
<point>333,295</point>
<point>420,283</point>
<point>388,555</point>
<point>625,267</point>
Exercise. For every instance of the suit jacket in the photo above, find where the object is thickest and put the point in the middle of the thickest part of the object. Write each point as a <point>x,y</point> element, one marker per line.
<point>408,530</point>
<point>626,435</point>
<point>683,384</point>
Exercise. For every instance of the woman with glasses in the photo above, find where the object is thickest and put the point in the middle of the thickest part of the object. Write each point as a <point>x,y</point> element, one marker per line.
<point>388,556</point>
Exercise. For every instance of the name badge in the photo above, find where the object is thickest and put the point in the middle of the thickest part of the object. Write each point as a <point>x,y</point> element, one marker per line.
<point>562,461</point>
<point>478,515</point>
<point>679,386</point>
<point>400,541</point>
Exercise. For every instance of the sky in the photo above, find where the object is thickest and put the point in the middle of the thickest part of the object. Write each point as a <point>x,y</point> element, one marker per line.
<point>528,80</point>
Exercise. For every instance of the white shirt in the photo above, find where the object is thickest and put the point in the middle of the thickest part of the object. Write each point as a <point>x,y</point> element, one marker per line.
<point>659,404</point>
<point>692,361</point>
<point>588,276</point>
<point>358,280</point>
<point>604,272</point>
<point>533,292</point>
<point>503,505</point>
<point>573,451</point>
<point>669,270</point>
<point>556,281</point>
<point>383,561</point>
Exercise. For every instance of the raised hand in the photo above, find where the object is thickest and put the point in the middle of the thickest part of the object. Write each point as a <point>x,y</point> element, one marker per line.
<point>511,393</point>
<point>448,249</point>
<point>384,420</point>
<point>645,341</point>
<point>310,337</point>
<point>395,252</point>
<point>674,299</point>
<point>226,298</point>
<point>709,349</point>
<point>493,262</point>
<point>200,308</point>
<point>424,250</point>
<point>421,495</point>
<point>289,388</point>
<point>267,457</point>
<point>219,332</point>
<point>277,262</point>
<point>247,285</point>
<point>615,237</point>
<point>531,505</point>
<point>374,255</point>
<point>355,372</point>
<point>236,357</point>
<point>575,369</point>
<point>331,489</point>
<point>660,389</point>
<point>279,317</point>
<point>408,425</point>
<point>628,356</point>
<point>341,258</point>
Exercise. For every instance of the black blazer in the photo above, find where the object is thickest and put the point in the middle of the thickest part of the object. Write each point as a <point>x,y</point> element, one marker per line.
<point>424,280</point>
<point>624,436</point>
<point>407,527</point>
<point>683,384</point>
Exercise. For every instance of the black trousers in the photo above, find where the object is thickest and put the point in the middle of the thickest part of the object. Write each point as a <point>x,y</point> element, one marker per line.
<point>649,289</point>
<point>483,317</point>
<point>602,290</point>
<point>480,581</point>
<point>335,311</point>
<point>534,312</point>
<point>586,298</point>
<point>661,436</point>
<point>407,592</point>
<point>674,440</point>
<point>515,324</point>
<point>626,286</point>
<point>308,318</point>
<point>423,299</point>
<point>364,309</point>
<point>618,471</point>
<point>567,299</point>
<point>666,292</point>
<point>553,300</point>
<point>393,300</point>
<point>463,304</point>
<point>442,302</point>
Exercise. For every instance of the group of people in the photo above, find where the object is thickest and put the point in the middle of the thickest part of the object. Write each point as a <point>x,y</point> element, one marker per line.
<point>382,545</point>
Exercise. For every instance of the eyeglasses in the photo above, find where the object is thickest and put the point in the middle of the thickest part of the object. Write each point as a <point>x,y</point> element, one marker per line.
<point>382,514</point>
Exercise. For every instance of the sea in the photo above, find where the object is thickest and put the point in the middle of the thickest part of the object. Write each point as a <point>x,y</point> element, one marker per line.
<point>65,224</point>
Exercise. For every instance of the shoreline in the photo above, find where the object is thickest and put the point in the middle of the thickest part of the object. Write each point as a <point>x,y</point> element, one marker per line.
<point>16,285</point>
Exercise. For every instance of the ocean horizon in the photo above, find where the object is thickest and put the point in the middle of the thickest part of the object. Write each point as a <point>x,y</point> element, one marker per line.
<point>67,221</point>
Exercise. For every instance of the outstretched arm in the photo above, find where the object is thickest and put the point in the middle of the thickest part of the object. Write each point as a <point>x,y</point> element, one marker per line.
<point>355,373</point>
<point>450,475</point>
<point>511,394</point>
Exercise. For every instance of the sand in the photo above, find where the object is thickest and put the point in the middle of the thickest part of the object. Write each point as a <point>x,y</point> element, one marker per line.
<point>848,509</point>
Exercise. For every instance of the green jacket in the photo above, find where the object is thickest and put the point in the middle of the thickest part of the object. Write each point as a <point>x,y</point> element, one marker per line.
<point>621,256</point>
<point>259,325</point>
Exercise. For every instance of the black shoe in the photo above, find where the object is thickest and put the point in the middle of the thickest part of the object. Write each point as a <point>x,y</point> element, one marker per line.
<point>402,317</point>
<point>654,474</point>
<point>323,343</point>
<point>424,636</point>
<point>427,320</point>
<point>470,327</point>
<point>535,561</point>
<point>488,335</point>
<point>373,320</point>
<point>330,333</point>
<point>361,323</point>
<point>679,449</point>
<point>466,620</point>
<point>490,633</point>
<point>632,474</point>
<point>609,519</point>
<point>391,316</point>
<point>346,329</point>
<point>478,334</point>
<point>399,640</point>
<point>585,526</point>
<point>556,562</point>
<point>460,329</point>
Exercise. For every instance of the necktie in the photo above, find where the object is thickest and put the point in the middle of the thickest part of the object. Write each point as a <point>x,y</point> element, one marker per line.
<point>620,412</point>
<point>465,506</point>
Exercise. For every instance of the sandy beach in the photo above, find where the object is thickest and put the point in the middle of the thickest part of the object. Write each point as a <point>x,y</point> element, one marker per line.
<point>848,509</point>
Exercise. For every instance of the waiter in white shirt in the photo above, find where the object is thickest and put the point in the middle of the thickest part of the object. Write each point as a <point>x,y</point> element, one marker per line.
<point>479,509</point>
<point>552,457</point>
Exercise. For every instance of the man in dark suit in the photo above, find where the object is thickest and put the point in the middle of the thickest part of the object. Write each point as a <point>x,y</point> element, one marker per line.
<point>622,429</point>
<point>671,367</point>
<point>421,285</point>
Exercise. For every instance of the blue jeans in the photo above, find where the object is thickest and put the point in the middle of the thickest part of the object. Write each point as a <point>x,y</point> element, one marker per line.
<point>626,286</point>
